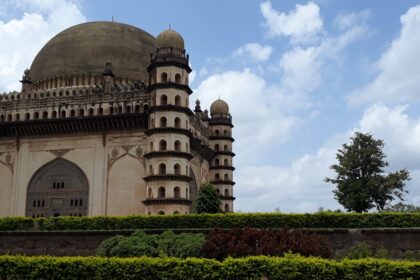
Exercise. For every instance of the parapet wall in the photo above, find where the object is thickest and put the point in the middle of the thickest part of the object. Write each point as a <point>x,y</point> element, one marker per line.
<point>84,243</point>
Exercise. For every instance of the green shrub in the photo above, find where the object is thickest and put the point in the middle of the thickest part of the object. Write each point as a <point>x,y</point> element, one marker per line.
<point>17,223</point>
<point>291,267</point>
<point>153,245</point>
<point>208,221</point>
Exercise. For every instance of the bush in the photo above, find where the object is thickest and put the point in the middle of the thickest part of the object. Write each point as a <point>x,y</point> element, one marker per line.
<point>153,245</point>
<point>254,242</point>
<point>291,267</point>
<point>208,221</point>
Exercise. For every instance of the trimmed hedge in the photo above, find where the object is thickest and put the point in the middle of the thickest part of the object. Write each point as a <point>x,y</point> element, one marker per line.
<point>199,221</point>
<point>290,267</point>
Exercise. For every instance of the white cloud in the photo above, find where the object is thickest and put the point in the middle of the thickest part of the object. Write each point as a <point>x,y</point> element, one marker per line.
<point>254,106</point>
<point>302,25</point>
<point>303,67</point>
<point>398,79</point>
<point>23,37</point>
<point>257,52</point>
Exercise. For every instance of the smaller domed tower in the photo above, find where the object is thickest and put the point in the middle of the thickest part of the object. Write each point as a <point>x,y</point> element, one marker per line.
<point>168,154</point>
<point>221,167</point>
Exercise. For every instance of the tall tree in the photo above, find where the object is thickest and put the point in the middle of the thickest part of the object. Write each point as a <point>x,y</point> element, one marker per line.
<point>208,201</point>
<point>361,181</point>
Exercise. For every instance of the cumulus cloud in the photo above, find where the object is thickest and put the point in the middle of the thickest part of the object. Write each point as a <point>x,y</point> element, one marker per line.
<point>21,38</point>
<point>256,51</point>
<point>398,79</point>
<point>254,107</point>
<point>302,25</point>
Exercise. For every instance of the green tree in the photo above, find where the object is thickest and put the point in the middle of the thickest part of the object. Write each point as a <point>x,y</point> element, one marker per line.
<point>361,181</point>
<point>208,201</point>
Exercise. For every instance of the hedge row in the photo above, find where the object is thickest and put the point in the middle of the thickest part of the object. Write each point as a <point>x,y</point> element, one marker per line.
<point>291,267</point>
<point>260,220</point>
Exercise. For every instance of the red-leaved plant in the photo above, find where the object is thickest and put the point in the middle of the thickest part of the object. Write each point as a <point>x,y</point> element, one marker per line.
<point>238,242</point>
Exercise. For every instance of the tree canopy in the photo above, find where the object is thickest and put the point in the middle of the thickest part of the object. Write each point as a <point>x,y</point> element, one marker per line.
<point>360,175</point>
<point>208,200</point>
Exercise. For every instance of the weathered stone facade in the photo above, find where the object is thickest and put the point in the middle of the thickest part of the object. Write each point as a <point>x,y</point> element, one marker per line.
<point>117,140</point>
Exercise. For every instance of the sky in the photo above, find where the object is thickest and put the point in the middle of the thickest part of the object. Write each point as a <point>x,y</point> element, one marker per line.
<point>300,78</point>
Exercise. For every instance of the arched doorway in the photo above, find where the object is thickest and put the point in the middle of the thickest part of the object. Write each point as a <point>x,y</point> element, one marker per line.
<point>59,188</point>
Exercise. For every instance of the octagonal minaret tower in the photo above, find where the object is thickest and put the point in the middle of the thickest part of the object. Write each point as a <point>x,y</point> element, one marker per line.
<point>168,154</point>
<point>221,168</point>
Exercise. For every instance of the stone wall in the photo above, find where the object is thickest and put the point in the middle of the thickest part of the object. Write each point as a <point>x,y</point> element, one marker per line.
<point>84,243</point>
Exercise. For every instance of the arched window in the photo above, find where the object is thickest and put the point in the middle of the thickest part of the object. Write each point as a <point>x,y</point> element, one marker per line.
<point>178,78</point>
<point>163,122</point>
<point>217,191</point>
<point>44,114</point>
<point>111,110</point>
<point>2,118</point>
<point>217,176</point>
<point>9,117</point>
<point>163,99</point>
<point>162,145</point>
<point>161,192</point>
<point>216,132</point>
<point>100,111</point>
<point>226,162</point>
<point>177,146</point>
<point>176,212</point>
<point>225,132</point>
<point>82,113</point>
<point>177,100</point>
<point>27,116</point>
<point>151,146</point>
<point>163,77</point>
<point>149,193</point>
<point>216,162</point>
<point>177,169</point>
<point>216,147</point>
<point>162,169</point>
<point>226,177</point>
<point>36,115</point>
<point>145,107</point>
<point>91,111</point>
<point>161,213</point>
<point>177,122</point>
<point>177,192</point>
<point>150,169</point>
<point>225,148</point>
<point>137,109</point>
<point>72,113</point>
<point>226,192</point>
<point>54,114</point>
<point>120,109</point>
<point>17,117</point>
<point>128,109</point>
<point>63,113</point>
<point>226,207</point>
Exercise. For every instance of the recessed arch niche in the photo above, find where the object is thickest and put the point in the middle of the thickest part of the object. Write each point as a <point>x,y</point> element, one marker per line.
<point>59,188</point>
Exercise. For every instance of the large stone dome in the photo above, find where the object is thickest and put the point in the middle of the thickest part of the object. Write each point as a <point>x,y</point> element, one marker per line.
<point>85,48</point>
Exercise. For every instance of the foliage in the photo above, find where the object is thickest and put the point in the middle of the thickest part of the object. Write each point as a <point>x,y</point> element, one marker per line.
<point>207,201</point>
<point>153,245</point>
<point>209,221</point>
<point>254,242</point>
<point>16,223</point>
<point>361,182</point>
<point>274,268</point>
<point>403,208</point>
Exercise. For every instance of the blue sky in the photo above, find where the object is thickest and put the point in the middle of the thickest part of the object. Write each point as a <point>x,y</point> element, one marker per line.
<point>300,78</point>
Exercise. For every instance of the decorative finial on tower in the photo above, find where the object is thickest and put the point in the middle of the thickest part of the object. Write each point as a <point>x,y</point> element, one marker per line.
<point>197,106</point>
<point>26,81</point>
